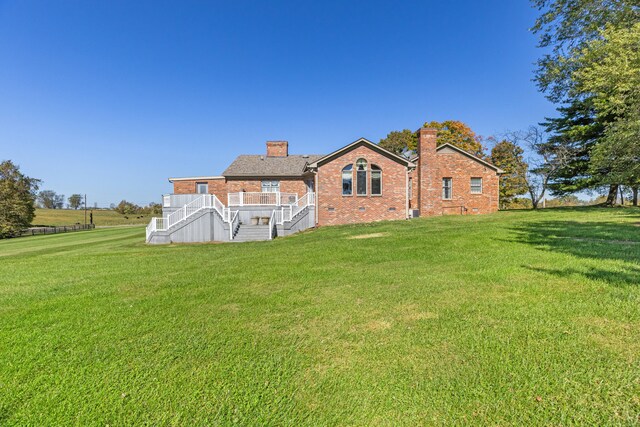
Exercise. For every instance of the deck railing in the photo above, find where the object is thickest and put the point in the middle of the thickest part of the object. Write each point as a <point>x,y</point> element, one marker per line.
<point>262,199</point>
<point>288,212</point>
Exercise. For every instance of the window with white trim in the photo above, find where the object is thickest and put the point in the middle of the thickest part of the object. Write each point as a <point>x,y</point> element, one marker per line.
<point>476,185</point>
<point>376,180</point>
<point>347,180</point>
<point>270,186</point>
<point>361,177</point>
<point>446,188</point>
<point>202,187</point>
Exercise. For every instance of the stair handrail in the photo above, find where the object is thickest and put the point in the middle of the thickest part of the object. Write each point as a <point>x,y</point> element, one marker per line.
<point>272,224</point>
<point>234,221</point>
<point>191,208</point>
<point>307,200</point>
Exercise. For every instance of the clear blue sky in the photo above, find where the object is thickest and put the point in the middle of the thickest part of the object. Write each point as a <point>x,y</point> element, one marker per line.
<point>111,98</point>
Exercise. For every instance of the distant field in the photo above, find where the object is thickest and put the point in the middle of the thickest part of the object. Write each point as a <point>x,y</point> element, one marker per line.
<point>518,318</point>
<point>100,217</point>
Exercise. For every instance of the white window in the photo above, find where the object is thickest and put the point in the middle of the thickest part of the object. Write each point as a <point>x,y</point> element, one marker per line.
<point>376,181</point>
<point>361,177</point>
<point>202,187</point>
<point>476,185</point>
<point>270,186</point>
<point>446,188</point>
<point>347,180</point>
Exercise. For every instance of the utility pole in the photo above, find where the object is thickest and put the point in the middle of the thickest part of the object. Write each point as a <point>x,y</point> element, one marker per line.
<point>85,210</point>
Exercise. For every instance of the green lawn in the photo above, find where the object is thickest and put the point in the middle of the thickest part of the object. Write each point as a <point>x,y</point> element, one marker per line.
<point>516,318</point>
<point>101,217</point>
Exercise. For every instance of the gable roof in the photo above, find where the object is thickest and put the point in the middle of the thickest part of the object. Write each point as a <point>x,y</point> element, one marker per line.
<point>356,143</point>
<point>260,165</point>
<point>470,155</point>
<point>466,153</point>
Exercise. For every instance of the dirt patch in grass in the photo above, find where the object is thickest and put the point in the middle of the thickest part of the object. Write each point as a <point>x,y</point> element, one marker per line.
<point>368,236</point>
<point>377,325</point>
<point>413,313</point>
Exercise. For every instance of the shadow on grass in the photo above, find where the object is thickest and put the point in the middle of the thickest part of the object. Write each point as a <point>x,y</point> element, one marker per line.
<point>600,241</point>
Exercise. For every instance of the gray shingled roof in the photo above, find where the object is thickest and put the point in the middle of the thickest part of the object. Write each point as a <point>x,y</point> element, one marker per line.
<point>256,165</point>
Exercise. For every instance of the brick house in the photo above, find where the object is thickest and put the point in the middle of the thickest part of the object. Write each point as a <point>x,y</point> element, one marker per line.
<point>360,182</point>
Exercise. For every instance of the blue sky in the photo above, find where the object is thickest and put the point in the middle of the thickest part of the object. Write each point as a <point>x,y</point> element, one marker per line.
<point>111,98</point>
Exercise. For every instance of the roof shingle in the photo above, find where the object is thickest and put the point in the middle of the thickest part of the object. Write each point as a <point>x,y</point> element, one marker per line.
<point>257,165</point>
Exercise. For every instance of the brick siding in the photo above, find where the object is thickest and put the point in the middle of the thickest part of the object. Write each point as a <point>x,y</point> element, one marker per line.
<point>334,208</point>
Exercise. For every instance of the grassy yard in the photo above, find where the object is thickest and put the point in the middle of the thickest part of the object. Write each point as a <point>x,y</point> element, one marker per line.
<point>517,318</point>
<point>100,217</point>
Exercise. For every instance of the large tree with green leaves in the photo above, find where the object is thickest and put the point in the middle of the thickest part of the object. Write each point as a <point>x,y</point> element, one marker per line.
<point>566,28</point>
<point>513,182</point>
<point>17,198</point>
<point>610,73</point>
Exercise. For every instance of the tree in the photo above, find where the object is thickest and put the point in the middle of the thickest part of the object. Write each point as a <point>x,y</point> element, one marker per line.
<point>566,27</point>
<point>457,133</point>
<point>75,201</point>
<point>127,208</point>
<point>545,163</point>
<point>49,199</point>
<point>17,198</point>
<point>610,73</point>
<point>513,182</point>
<point>577,130</point>
<point>402,142</point>
<point>454,132</point>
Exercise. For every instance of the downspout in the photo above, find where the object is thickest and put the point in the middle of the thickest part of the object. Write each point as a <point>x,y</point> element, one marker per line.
<point>315,187</point>
<point>406,194</point>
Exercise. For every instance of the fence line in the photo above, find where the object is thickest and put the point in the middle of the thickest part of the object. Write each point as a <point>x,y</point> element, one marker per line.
<point>33,231</point>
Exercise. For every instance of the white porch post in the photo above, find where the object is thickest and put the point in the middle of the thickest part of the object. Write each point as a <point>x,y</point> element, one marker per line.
<point>277,198</point>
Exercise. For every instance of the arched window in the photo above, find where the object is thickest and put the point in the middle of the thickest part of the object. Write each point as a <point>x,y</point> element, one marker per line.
<point>361,177</point>
<point>376,180</point>
<point>347,180</point>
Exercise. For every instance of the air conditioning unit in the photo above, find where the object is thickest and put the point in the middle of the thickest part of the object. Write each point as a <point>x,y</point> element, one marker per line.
<point>414,213</point>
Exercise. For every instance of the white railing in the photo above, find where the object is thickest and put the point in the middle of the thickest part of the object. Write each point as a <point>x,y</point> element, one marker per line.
<point>308,199</point>
<point>154,225</point>
<point>203,202</point>
<point>262,199</point>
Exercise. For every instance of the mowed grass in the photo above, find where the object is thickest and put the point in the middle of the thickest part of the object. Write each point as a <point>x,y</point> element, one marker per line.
<point>101,217</point>
<point>516,318</point>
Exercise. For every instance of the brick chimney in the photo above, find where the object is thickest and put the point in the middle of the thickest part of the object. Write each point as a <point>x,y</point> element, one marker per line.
<point>429,182</point>
<point>277,148</point>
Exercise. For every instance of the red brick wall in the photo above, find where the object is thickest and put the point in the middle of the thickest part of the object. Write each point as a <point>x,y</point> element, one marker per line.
<point>216,186</point>
<point>277,148</point>
<point>334,208</point>
<point>461,169</point>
